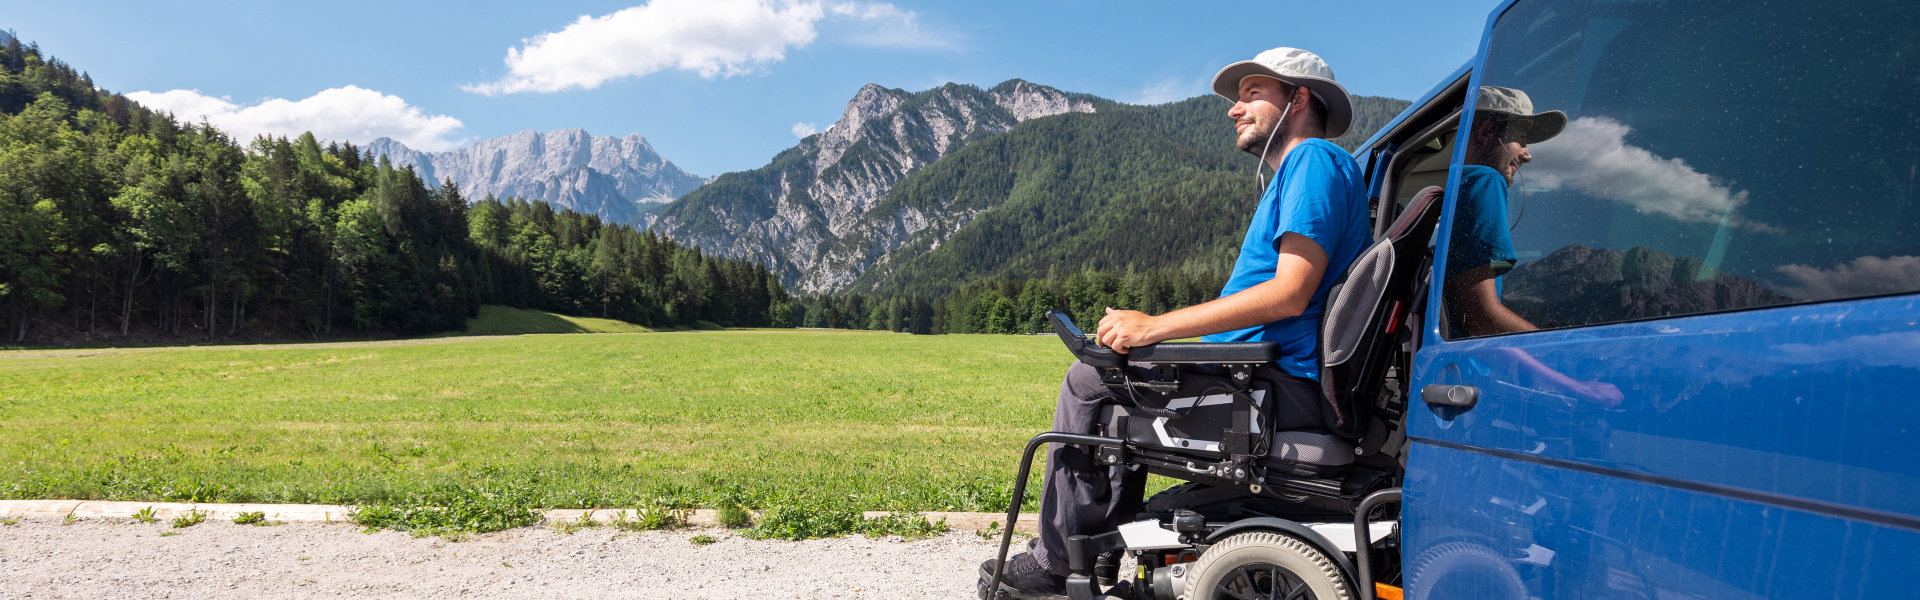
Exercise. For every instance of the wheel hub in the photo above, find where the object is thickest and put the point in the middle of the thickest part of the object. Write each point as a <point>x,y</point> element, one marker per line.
<point>1263,581</point>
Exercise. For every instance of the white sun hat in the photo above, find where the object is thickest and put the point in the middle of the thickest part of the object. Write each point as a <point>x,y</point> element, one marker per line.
<point>1514,106</point>
<point>1296,67</point>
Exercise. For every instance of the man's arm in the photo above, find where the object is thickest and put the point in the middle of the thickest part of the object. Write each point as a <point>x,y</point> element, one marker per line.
<point>1301,266</point>
<point>1473,297</point>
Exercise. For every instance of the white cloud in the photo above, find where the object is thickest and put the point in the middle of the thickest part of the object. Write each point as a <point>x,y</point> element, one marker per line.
<point>802,130</point>
<point>346,113</point>
<point>1164,91</point>
<point>1865,276</point>
<point>887,26</point>
<point>1592,157</point>
<point>1900,349</point>
<point>714,38</point>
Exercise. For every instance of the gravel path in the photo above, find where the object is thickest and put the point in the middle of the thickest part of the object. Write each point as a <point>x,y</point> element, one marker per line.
<point>118,558</point>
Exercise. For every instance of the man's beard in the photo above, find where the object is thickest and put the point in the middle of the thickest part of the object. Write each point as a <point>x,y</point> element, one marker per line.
<point>1255,138</point>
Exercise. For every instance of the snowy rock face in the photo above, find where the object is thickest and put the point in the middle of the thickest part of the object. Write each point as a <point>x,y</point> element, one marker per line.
<point>808,214</point>
<point>619,179</point>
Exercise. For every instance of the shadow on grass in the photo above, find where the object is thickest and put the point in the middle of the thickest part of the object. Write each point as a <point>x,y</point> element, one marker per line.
<point>505,320</point>
<point>520,321</point>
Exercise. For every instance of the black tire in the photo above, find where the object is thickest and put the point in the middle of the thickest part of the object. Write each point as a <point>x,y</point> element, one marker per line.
<point>1453,568</point>
<point>1266,565</point>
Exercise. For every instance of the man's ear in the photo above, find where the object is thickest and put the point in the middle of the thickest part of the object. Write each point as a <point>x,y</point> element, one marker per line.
<point>1303,98</point>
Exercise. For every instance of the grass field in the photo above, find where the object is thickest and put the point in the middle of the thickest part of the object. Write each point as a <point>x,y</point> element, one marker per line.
<point>873,421</point>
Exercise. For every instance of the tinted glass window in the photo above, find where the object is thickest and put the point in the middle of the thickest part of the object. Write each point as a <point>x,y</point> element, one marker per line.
<point>1641,159</point>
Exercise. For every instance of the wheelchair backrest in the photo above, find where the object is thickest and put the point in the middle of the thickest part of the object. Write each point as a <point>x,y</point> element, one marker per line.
<point>1366,308</point>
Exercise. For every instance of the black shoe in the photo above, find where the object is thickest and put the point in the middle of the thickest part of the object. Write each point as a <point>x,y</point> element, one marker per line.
<point>1106,569</point>
<point>1024,579</point>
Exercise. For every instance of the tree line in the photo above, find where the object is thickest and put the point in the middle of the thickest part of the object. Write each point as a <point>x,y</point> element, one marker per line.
<point>1015,305</point>
<point>1019,306</point>
<point>118,221</point>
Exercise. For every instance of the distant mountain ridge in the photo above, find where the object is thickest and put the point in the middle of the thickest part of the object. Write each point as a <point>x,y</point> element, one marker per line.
<point>1576,285</point>
<point>618,179</point>
<point>788,214</point>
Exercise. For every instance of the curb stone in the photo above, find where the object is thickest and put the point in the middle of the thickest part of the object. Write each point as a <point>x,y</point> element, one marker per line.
<point>318,513</point>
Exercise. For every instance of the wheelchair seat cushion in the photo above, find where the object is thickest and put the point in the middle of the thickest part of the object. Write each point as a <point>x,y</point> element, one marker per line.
<point>1308,453</point>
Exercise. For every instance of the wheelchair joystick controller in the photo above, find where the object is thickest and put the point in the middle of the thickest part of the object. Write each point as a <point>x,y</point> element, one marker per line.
<point>1088,351</point>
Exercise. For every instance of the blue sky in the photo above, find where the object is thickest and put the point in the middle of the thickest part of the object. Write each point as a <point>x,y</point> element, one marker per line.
<point>714,85</point>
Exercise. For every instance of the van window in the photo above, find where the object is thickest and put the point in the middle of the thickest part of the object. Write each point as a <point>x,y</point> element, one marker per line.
<point>1642,159</point>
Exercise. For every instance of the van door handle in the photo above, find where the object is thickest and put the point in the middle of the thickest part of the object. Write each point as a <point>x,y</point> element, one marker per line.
<point>1462,397</point>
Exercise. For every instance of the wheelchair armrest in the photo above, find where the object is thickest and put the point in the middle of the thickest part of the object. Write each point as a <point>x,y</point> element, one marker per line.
<point>1203,352</point>
<point>1165,352</point>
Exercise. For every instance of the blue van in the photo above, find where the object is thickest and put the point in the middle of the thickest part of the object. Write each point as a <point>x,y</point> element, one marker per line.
<point>1710,378</point>
<point>1642,322</point>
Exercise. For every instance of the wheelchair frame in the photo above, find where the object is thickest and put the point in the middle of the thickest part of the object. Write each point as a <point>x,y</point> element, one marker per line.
<point>1228,493</point>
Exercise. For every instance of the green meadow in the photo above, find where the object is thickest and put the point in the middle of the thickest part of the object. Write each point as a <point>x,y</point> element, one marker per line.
<point>864,420</point>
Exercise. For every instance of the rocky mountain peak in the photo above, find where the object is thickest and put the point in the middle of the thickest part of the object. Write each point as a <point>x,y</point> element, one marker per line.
<point>871,102</point>
<point>788,214</point>
<point>1028,100</point>
<point>619,179</point>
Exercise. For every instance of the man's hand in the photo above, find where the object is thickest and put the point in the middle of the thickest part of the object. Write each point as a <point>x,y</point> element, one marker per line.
<point>1122,330</point>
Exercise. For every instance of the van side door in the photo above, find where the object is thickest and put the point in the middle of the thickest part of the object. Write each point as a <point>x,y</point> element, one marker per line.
<point>1674,335</point>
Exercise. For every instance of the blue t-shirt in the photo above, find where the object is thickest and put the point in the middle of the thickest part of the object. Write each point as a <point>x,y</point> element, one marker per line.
<point>1316,194</point>
<point>1479,236</point>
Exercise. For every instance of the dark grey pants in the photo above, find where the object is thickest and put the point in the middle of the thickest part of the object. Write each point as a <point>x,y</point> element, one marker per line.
<point>1081,497</point>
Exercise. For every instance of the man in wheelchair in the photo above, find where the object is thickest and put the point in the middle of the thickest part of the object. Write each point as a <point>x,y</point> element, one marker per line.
<point>1311,221</point>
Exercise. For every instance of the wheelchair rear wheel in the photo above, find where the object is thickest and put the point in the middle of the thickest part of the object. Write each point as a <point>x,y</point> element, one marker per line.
<point>1266,565</point>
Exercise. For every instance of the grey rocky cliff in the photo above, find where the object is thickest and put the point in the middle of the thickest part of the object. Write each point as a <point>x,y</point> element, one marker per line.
<point>619,179</point>
<point>810,215</point>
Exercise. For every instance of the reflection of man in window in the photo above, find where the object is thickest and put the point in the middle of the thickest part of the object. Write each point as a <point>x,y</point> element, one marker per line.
<point>1481,250</point>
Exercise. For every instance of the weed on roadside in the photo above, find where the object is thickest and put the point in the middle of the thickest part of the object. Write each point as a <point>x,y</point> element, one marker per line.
<point>450,511</point>
<point>192,518</point>
<point>584,522</point>
<point>255,518</point>
<point>702,539</point>
<point>659,513</point>
<point>69,520</point>
<point>169,533</point>
<point>661,516</point>
<point>909,525</point>
<point>804,519</point>
<point>735,516</point>
<point>10,521</point>
<point>992,532</point>
<point>145,515</point>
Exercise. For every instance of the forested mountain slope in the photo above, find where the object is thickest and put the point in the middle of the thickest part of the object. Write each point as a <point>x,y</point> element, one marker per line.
<point>1131,186</point>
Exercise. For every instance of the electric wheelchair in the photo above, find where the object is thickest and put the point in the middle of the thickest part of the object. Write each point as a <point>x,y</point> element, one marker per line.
<point>1262,513</point>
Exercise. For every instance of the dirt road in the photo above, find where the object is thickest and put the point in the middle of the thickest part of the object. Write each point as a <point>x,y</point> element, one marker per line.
<point>42,558</point>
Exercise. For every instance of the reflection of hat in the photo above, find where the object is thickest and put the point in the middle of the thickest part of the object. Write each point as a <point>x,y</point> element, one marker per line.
<point>1514,106</point>
<point>1296,67</point>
